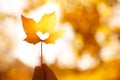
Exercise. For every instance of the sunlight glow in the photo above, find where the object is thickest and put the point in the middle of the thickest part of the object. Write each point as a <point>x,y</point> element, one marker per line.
<point>86,62</point>
<point>47,8</point>
<point>27,53</point>
<point>66,56</point>
<point>100,37</point>
<point>60,51</point>
<point>9,6</point>
<point>111,51</point>
<point>114,21</point>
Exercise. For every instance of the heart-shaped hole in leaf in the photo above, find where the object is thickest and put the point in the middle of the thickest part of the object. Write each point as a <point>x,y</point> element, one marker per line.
<point>42,36</point>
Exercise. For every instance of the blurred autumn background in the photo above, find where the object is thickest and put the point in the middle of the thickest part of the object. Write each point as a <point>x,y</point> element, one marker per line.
<point>89,50</point>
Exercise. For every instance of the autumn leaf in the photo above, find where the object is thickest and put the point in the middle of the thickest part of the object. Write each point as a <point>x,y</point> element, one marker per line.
<point>45,27</point>
<point>43,72</point>
<point>29,28</point>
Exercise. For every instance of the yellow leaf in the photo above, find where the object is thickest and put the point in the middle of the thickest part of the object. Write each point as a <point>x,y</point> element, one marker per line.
<point>54,36</point>
<point>45,25</point>
<point>29,28</point>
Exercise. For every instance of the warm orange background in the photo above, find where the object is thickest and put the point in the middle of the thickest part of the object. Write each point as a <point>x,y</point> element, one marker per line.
<point>89,50</point>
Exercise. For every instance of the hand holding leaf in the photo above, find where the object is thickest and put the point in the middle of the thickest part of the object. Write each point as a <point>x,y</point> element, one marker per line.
<point>43,31</point>
<point>43,72</point>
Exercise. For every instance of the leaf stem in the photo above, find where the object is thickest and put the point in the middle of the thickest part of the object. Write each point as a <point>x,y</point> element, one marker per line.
<point>41,58</point>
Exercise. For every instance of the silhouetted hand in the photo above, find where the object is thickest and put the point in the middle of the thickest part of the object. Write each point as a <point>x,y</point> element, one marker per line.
<point>43,72</point>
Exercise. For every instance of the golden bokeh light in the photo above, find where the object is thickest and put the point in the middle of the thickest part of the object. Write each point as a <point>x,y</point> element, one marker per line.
<point>89,49</point>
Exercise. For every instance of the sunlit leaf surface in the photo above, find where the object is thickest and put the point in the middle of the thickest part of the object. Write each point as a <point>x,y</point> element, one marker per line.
<point>45,25</point>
